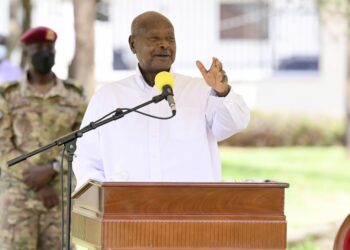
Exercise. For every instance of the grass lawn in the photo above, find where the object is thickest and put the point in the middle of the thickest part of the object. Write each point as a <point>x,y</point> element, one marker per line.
<point>319,179</point>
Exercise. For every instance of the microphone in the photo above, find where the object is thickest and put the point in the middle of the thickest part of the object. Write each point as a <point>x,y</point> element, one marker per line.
<point>164,81</point>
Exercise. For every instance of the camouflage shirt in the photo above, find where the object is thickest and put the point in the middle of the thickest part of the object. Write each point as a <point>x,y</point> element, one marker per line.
<point>29,120</point>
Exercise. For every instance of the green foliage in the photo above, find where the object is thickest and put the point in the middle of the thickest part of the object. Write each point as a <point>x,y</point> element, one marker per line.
<point>274,129</point>
<point>318,178</point>
<point>339,5</point>
<point>306,245</point>
<point>323,169</point>
<point>333,8</point>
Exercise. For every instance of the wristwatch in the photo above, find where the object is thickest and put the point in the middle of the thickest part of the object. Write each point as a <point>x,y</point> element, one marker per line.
<point>56,166</point>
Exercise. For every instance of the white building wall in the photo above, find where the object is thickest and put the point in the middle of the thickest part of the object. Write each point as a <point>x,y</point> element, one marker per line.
<point>318,94</point>
<point>4,17</point>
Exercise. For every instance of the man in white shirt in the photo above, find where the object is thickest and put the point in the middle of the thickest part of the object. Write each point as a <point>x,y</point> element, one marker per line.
<point>138,148</point>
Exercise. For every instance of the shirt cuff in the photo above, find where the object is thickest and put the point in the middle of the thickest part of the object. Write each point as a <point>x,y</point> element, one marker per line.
<point>214,93</point>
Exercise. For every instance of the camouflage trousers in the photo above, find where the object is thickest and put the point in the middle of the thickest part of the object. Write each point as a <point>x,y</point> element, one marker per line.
<point>25,223</point>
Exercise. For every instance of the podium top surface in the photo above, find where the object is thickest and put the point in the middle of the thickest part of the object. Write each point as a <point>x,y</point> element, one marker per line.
<point>104,199</point>
<point>264,183</point>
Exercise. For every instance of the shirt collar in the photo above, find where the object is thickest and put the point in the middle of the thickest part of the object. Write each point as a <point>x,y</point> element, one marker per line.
<point>141,81</point>
<point>57,90</point>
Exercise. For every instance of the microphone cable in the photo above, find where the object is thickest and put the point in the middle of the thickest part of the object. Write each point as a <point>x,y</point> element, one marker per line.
<point>118,110</point>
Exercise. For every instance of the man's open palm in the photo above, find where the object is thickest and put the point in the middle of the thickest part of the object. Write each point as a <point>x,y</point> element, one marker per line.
<point>215,77</point>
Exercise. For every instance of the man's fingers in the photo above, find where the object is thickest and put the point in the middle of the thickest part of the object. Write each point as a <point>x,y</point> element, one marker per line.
<point>49,201</point>
<point>36,188</point>
<point>53,201</point>
<point>217,63</point>
<point>224,79</point>
<point>28,181</point>
<point>25,173</point>
<point>201,68</point>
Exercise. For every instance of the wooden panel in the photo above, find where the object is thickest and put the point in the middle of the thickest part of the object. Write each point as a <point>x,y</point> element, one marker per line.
<point>86,229</point>
<point>246,217</point>
<point>135,234</point>
<point>194,199</point>
<point>180,215</point>
<point>89,200</point>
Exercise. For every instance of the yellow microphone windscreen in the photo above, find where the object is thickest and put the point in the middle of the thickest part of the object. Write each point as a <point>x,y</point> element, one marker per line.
<point>164,78</point>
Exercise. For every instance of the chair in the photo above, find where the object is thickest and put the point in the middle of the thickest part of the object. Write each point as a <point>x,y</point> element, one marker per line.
<point>342,240</point>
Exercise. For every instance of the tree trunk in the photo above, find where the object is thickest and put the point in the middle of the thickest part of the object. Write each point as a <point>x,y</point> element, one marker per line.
<point>347,101</point>
<point>14,29</point>
<point>26,23</point>
<point>82,66</point>
<point>20,21</point>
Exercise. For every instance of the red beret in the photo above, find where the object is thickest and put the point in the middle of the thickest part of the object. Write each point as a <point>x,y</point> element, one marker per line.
<point>38,34</point>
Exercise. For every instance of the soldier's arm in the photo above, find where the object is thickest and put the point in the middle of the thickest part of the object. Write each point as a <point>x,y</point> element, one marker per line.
<point>81,104</point>
<point>80,115</point>
<point>8,148</point>
<point>77,94</point>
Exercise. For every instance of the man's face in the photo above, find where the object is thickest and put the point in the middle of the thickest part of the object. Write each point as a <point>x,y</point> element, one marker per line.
<point>155,47</point>
<point>40,46</point>
<point>42,56</point>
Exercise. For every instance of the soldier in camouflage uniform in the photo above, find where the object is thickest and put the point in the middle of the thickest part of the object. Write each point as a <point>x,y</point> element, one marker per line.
<point>33,112</point>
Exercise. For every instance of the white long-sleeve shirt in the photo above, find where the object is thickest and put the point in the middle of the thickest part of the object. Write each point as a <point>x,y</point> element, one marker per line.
<point>141,149</point>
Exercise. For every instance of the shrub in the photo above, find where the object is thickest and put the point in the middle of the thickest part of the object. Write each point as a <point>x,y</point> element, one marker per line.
<point>289,129</point>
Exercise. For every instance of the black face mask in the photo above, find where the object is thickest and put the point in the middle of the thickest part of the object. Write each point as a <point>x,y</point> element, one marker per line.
<point>43,61</point>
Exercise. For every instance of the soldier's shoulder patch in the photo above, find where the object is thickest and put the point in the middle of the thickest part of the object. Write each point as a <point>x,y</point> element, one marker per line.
<point>5,87</point>
<point>71,84</point>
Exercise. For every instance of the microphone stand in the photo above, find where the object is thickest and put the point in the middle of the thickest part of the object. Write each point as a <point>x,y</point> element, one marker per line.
<point>69,142</point>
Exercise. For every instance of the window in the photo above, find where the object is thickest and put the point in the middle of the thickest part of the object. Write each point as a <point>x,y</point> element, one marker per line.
<point>270,36</point>
<point>102,11</point>
<point>244,20</point>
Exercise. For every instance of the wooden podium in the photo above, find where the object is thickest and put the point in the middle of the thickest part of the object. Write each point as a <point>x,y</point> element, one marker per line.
<point>125,215</point>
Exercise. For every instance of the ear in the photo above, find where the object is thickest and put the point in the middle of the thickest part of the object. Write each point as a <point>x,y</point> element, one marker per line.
<point>132,43</point>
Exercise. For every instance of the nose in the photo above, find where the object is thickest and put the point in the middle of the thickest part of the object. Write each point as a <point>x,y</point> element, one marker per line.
<point>164,43</point>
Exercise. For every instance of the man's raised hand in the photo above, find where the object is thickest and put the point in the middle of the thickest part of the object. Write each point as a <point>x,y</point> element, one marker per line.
<point>215,77</point>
